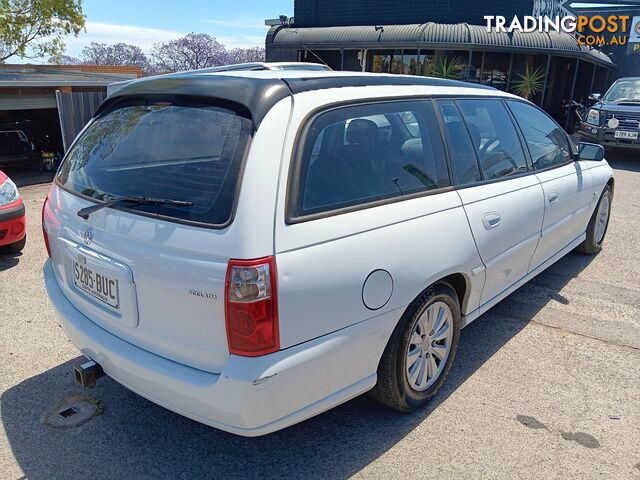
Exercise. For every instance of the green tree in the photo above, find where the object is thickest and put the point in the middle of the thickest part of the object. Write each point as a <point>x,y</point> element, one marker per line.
<point>36,28</point>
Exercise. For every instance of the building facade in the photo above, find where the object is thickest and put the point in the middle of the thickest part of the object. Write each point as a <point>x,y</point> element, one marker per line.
<point>444,38</point>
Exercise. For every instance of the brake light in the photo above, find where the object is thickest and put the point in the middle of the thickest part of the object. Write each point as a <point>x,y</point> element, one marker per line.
<point>44,231</point>
<point>251,307</point>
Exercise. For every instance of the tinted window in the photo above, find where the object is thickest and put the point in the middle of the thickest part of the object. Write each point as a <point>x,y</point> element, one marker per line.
<point>547,142</point>
<point>494,137</point>
<point>172,149</point>
<point>463,157</point>
<point>364,153</point>
<point>13,142</point>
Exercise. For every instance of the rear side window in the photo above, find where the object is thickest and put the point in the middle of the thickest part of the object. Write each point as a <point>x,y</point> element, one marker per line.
<point>463,157</point>
<point>547,142</point>
<point>361,154</point>
<point>174,148</point>
<point>12,141</point>
<point>494,137</point>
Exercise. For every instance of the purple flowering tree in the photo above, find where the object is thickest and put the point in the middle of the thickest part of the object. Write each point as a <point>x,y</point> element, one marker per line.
<point>193,51</point>
<point>246,55</point>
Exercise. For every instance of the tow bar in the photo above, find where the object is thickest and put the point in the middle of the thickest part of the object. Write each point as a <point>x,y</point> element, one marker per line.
<point>87,374</point>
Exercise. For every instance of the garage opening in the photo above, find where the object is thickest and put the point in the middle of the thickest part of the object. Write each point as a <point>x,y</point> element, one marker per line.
<point>41,128</point>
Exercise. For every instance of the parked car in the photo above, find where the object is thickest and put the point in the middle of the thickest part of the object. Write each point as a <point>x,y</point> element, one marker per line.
<point>318,236</point>
<point>16,149</point>
<point>614,119</point>
<point>13,236</point>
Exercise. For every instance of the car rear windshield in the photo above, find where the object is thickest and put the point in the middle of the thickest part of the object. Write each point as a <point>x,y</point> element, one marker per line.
<point>12,141</point>
<point>168,148</point>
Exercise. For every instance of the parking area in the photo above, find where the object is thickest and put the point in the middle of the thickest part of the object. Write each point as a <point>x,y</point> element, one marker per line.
<point>545,385</point>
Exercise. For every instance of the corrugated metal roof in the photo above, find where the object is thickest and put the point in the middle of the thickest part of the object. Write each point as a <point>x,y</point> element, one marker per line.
<point>446,33</point>
<point>480,36</point>
<point>435,35</point>
<point>531,40</point>
<point>29,77</point>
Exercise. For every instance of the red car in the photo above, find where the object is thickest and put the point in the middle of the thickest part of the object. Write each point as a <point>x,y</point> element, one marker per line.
<point>13,235</point>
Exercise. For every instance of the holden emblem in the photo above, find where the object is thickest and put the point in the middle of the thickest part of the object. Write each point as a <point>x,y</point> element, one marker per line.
<point>88,236</point>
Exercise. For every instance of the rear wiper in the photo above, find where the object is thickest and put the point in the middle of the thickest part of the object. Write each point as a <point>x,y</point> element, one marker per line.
<point>85,212</point>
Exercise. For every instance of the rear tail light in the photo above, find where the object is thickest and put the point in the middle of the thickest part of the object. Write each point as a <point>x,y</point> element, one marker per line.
<point>44,230</point>
<point>251,307</point>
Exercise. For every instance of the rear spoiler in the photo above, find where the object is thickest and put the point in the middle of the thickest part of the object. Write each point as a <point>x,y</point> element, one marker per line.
<point>256,95</point>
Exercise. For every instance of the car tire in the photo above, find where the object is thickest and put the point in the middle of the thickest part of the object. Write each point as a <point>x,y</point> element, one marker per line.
<point>15,247</point>
<point>402,384</point>
<point>597,228</point>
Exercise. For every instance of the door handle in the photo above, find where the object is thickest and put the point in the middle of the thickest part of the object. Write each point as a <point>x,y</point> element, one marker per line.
<point>491,220</point>
<point>553,197</point>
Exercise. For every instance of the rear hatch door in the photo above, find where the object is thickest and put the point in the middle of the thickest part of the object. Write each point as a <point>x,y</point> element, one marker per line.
<point>153,274</point>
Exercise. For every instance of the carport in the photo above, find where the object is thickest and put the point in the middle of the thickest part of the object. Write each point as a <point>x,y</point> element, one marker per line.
<point>54,102</point>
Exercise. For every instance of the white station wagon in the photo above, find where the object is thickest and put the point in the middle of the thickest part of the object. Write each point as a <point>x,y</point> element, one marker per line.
<point>250,249</point>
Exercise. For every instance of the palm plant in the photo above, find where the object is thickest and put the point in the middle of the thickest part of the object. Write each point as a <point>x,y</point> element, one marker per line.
<point>448,68</point>
<point>530,83</point>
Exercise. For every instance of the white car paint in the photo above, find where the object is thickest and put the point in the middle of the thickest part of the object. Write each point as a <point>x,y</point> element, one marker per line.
<point>171,346</point>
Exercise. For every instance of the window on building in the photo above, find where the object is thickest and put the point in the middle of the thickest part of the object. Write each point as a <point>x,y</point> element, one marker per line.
<point>452,64</point>
<point>463,157</point>
<point>547,142</point>
<point>410,62</point>
<point>360,154</point>
<point>396,62</point>
<point>427,63</point>
<point>494,137</point>
<point>380,61</point>
<point>475,67</point>
<point>495,71</point>
<point>528,71</point>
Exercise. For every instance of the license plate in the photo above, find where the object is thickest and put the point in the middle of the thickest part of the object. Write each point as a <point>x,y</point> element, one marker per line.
<point>98,285</point>
<point>626,134</point>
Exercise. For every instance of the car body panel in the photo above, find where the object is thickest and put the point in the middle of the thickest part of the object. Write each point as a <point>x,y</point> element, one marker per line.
<point>567,208</point>
<point>505,218</point>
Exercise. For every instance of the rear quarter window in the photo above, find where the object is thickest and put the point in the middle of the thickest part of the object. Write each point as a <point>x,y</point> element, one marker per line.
<point>172,148</point>
<point>362,154</point>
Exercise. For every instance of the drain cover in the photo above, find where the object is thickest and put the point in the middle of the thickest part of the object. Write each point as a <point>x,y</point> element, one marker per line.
<point>73,412</point>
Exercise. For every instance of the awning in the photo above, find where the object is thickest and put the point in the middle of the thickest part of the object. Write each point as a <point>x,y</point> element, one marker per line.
<point>434,36</point>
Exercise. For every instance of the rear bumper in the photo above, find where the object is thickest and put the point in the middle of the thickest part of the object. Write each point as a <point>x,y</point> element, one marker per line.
<point>606,137</point>
<point>251,396</point>
<point>12,225</point>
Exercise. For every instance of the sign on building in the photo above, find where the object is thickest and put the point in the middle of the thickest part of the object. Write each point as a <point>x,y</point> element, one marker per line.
<point>634,36</point>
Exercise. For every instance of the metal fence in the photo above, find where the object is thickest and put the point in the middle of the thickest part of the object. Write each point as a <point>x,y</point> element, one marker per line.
<point>75,110</point>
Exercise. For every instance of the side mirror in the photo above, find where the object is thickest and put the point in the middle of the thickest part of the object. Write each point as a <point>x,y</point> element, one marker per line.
<point>595,97</point>
<point>590,151</point>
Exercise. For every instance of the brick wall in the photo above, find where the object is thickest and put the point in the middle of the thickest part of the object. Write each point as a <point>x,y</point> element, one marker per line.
<point>327,13</point>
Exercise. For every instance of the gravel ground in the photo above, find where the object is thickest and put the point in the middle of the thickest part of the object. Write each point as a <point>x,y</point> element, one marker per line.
<point>546,384</point>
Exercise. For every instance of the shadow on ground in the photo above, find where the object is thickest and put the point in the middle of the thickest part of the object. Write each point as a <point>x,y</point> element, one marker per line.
<point>9,261</point>
<point>24,177</point>
<point>135,438</point>
<point>624,159</point>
